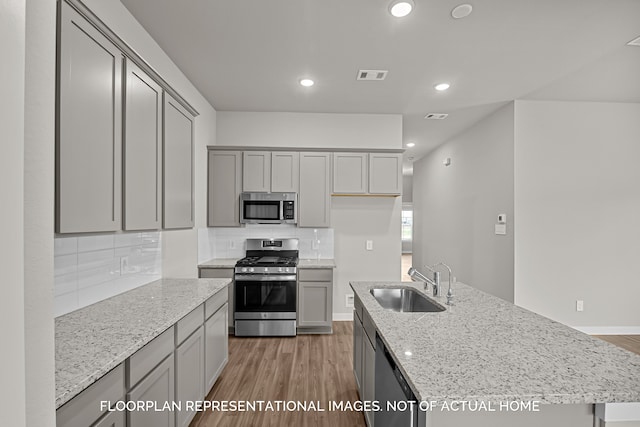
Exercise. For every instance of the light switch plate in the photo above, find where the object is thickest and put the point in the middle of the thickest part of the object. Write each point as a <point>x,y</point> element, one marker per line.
<point>349,301</point>
<point>501,229</point>
<point>369,245</point>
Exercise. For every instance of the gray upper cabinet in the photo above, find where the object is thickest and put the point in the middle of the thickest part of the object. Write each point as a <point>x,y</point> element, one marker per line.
<point>385,173</point>
<point>256,171</point>
<point>89,132</point>
<point>285,171</point>
<point>350,173</point>
<point>178,165</point>
<point>314,199</point>
<point>224,187</point>
<point>142,151</point>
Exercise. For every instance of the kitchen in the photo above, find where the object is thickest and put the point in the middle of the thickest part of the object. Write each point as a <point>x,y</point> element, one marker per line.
<point>180,255</point>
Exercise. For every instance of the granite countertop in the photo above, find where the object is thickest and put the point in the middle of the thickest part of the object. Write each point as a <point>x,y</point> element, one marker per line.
<point>91,341</point>
<point>302,263</point>
<point>486,349</point>
<point>219,263</point>
<point>317,263</point>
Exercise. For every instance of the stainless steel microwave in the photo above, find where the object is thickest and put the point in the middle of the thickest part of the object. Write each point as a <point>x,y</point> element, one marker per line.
<point>268,208</point>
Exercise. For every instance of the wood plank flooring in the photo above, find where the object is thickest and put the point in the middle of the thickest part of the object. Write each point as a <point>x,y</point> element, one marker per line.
<point>628,342</point>
<point>307,368</point>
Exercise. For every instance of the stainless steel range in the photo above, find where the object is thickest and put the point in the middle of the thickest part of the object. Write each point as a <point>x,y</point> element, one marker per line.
<point>266,284</point>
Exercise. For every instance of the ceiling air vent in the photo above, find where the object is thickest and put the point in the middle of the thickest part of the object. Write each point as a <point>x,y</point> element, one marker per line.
<point>436,116</point>
<point>635,42</point>
<point>372,75</point>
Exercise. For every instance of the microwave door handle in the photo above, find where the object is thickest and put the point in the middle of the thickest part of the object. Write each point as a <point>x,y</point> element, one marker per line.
<point>281,210</point>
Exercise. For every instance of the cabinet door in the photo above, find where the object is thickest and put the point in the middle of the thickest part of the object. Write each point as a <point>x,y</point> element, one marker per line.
<point>368,375</point>
<point>89,134</point>
<point>189,375</point>
<point>350,173</point>
<point>285,171</point>
<point>224,187</point>
<point>216,351</point>
<point>222,273</point>
<point>112,419</point>
<point>314,199</point>
<point>385,173</point>
<point>157,387</point>
<point>256,171</point>
<point>358,335</point>
<point>315,304</point>
<point>142,151</point>
<point>178,165</point>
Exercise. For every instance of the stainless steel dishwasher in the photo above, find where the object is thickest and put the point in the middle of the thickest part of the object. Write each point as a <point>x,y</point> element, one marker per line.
<point>392,389</point>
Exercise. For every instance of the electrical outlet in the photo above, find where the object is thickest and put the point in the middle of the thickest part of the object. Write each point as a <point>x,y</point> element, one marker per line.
<point>579,305</point>
<point>124,264</point>
<point>349,300</point>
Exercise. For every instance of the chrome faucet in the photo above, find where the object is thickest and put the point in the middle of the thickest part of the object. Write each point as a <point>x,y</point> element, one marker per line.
<point>417,276</point>
<point>436,276</point>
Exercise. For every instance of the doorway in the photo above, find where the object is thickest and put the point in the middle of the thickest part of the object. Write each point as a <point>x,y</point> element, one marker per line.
<point>407,239</point>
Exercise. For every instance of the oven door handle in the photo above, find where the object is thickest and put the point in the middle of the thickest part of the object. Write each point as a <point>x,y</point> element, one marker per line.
<point>264,278</point>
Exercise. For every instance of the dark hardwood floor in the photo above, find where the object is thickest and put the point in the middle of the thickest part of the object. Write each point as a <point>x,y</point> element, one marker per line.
<point>307,368</point>
<point>628,342</point>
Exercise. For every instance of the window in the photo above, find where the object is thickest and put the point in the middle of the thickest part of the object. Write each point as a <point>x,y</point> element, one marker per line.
<point>407,225</point>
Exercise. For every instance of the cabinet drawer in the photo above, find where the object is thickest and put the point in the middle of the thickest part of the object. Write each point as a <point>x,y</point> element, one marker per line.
<point>215,302</point>
<point>189,323</point>
<point>216,273</point>
<point>148,357</point>
<point>315,275</point>
<point>84,409</point>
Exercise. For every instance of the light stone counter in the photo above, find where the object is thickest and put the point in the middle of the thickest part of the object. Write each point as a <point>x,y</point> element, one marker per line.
<point>486,349</point>
<point>93,340</point>
<point>219,263</point>
<point>316,263</point>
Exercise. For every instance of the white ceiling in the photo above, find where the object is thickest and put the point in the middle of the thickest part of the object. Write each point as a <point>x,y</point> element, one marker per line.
<point>249,55</point>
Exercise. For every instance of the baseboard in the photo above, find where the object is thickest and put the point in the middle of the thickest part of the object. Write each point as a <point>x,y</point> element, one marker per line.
<point>609,330</point>
<point>343,317</point>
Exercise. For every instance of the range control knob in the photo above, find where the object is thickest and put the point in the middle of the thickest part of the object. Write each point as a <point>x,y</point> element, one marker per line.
<point>266,269</point>
<point>244,269</point>
<point>251,270</point>
<point>280,269</point>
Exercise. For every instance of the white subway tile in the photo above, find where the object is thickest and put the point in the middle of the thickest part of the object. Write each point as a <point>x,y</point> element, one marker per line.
<point>65,264</point>
<point>102,274</point>
<point>65,303</point>
<point>95,243</point>
<point>65,245</point>
<point>127,239</point>
<point>65,283</point>
<point>95,259</point>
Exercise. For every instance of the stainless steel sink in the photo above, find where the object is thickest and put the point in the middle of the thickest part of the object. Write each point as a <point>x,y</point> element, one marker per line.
<point>405,300</point>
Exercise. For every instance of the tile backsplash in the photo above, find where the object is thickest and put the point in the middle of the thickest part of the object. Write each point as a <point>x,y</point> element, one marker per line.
<point>91,268</point>
<point>221,242</point>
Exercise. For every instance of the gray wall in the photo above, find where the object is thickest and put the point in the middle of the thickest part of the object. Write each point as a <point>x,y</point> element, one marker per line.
<point>12,304</point>
<point>455,207</point>
<point>407,188</point>
<point>577,198</point>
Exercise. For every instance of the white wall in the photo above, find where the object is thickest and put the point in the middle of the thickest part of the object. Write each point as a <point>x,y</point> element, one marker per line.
<point>577,200</point>
<point>455,207</point>
<point>354,219</point>
<point>38,213</point>
<point>180,247</point>
<point>309,130</point>
<point>12,312</point>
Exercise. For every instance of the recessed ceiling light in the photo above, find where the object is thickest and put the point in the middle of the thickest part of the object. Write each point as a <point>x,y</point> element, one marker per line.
<point>442,86</point>
<point>461,11</point>
<point>411,144</point>
<point>307,82</point>
<point>400,8</point>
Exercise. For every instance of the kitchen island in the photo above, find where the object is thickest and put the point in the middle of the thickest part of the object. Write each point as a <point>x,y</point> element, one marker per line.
<point>485,349</point>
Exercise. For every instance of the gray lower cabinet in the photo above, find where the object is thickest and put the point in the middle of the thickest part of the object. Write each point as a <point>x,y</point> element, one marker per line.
<point>364,356</point>
<point>368,375</point>
<point>157,386</point>
<point>85,409</point>
<point>314,198</point>
<point>190,377</point>
<point>224,185</point>
<point>178,194</point>
<point>216,349</point>
<point>358,333</point>
<point>89,131</point>
<point>222,273</point>
<point>112,419</point>
<point>315,300</point>
<point>142,151</point>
